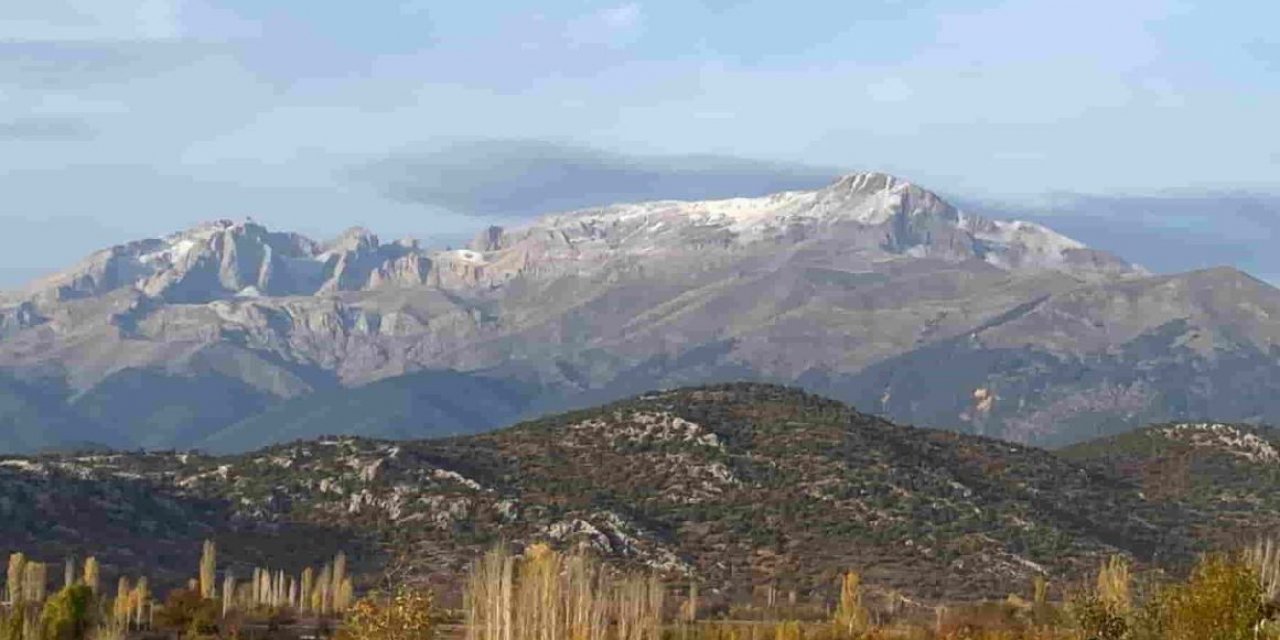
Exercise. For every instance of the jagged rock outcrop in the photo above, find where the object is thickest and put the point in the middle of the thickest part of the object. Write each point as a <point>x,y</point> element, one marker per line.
<point>227,259</point>
<point>19,317</point>
<point>224,260</point>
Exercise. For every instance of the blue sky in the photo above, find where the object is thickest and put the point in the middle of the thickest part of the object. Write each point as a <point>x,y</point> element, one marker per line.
<point>128,118</point>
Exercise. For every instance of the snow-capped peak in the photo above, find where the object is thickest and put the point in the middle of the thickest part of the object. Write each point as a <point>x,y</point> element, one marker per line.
<point>176,246</point>
<point>874,214</point>
<point>227,259</point>
<point>871,210</point>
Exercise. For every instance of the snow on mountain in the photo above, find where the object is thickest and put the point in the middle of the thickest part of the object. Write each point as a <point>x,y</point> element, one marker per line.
<point>875,214</point>
<point>173,253</point>
<point>871,288</point>
<point>226,259</point>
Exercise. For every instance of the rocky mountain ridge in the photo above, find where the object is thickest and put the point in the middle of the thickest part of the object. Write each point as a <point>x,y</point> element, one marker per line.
<point>875,212</point>
<point>871,290</point>
<point>226,259</point>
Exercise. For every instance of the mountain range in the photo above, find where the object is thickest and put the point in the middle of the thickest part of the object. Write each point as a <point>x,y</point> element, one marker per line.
<point>872,290</point>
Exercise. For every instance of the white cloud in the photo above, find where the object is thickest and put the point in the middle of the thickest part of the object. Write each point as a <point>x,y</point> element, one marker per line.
<point>89,20</point>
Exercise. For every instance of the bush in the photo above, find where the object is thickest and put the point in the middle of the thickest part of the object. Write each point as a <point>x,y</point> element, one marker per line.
<point>1222,600</point>
<point>1099,619</point>
<point>67,615</point>
<point>185,611</point>
<point>405,616</point>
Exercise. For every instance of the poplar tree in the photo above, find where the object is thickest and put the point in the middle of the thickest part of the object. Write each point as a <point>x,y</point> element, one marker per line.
<point>17,571</point>
<point>91,573</point>
<point>208,569</point>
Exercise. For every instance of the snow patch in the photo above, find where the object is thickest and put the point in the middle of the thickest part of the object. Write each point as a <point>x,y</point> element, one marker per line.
<point>467,255</point>
<point>172,254</point>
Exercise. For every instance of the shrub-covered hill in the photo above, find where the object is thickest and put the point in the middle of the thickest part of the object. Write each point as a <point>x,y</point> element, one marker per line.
<point>1226,477</point>
<point>53,508</point>
<point>737,485</point>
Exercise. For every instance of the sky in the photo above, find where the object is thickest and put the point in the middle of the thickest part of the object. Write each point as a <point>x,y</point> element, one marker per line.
<point>122,119</point>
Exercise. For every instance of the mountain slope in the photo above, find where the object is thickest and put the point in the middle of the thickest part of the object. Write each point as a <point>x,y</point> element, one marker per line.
<point>738,485</point>
<point>35,417</point>
<point>1095,361</point>
<point>871,290</point>
<point>52,508</point>
<point>154,410</point>
<point>418,405</point>
<point>1227,475</point>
